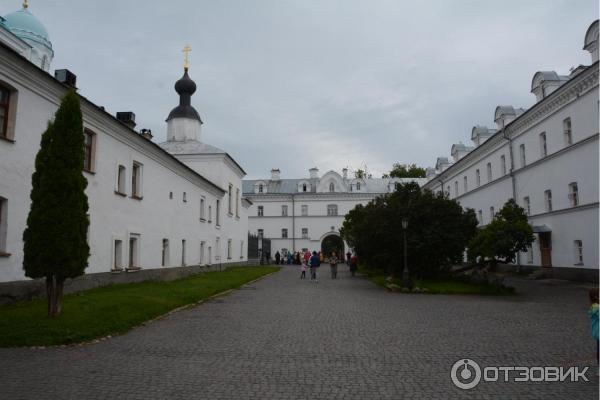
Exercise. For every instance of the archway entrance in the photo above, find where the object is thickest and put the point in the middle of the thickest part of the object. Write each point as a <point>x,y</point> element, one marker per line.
<point>332,243</point>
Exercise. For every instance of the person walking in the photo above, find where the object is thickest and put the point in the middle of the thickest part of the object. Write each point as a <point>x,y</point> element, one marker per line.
<point>314,264</point>
<point>277,257</point>
<point>303,268</point>
<point>306,257</point>
<point>333,262</point>
<point>348,257</point>
<point>353,265</point>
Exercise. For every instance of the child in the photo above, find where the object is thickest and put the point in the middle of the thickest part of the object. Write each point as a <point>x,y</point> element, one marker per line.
<point>303,269</point>
<point>593,313</point>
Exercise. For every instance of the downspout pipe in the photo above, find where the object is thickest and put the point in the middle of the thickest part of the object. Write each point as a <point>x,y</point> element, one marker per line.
<point>293,224</point>
<point>507,137</point>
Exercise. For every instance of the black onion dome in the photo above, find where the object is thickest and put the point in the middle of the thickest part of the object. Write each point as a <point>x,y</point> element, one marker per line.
<point>185,87</point>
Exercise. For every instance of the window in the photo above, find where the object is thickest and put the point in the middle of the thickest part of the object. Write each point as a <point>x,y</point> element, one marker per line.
<point>134,256</point>
<point>332,209</point>
<point>304,187</point>
<point>477,177</point>
<point>230,200</point>
<point>455,188</point>
<point>171,195</point>
<point>489,172</point>
<point>260,188</point>
<point>548,198</point>
<point>4,108</point>
<point>165,253</point>
<point>209,255</point>
<point>121,180</point>
<point>522,155</point>
<point>480,217</point>
<point>331,187</point>
<point>573,194</point>
<point>184,197</point>
<point>304,209</point>
<point>543,145</point>
<point>284,211</point>
<point>202,245</point>
<point>209,214</point>
<point>183,252</point>
<point>218,213</point>
<point>529,255</point>
<point>217,249</point>
<point>229,249</point>
<point>578,244</point>
<point>448,190</point>
<point>261,233</point>
<point>136,181</point>
<point>503,164</point>
<point>527,205</point>
<point>357,186</point>
<point>465,184</point>
<point>261,211</point>
<point>118,255</point>
<point>237,202</point>
<point>284,233</point>
<point>567,131</point>
<point>304,233</point>
<point>202,202</point>
<point>88,145</point>
<point>492,213</point>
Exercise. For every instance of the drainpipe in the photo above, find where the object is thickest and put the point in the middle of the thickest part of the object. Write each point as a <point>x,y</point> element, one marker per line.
<point>512,177</point>
<point>293,225</point>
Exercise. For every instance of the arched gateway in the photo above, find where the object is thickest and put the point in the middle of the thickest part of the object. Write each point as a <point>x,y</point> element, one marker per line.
<point>332,243</point>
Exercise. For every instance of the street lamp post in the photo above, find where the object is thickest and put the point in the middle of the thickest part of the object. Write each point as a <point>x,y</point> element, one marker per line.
<point>405,272</point>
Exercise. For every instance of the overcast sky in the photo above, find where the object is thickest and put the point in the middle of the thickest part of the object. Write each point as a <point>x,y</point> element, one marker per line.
<point>297,84</point>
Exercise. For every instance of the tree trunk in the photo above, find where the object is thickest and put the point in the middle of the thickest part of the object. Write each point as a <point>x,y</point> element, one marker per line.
<point>54,291</point>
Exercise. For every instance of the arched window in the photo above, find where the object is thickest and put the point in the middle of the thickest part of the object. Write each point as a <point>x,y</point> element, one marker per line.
<point>260,188</point>
<point>304,187</point>
<point>357,185</point>
<point>331,187</point>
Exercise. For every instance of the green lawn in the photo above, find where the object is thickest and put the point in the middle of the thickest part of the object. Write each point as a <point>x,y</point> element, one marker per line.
<point>113,309</point>
<point>449,286</point>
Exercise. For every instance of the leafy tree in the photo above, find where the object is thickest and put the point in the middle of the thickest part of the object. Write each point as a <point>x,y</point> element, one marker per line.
<point>501,240</point>
<point>406,171</point>
<point>55,240</point>
<point>438,231</point>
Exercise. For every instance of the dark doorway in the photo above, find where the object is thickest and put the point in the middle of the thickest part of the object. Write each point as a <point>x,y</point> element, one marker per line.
<point>546,248</point>
<point>330,244</point>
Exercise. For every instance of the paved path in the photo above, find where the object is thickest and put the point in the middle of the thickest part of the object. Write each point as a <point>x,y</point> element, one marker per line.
<point>282,338</point>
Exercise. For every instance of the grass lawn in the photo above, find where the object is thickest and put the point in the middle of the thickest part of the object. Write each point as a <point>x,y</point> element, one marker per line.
<point>113,309</point>
<point>449,286</point>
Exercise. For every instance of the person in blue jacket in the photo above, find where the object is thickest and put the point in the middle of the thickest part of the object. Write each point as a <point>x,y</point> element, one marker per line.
<point>314,264</point>
<point>593,314</point>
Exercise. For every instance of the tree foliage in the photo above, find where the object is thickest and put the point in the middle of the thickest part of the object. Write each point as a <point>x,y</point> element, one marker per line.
<point>501,240</point>
<point>55,239</point>
<point>438,231</point>
<point>406,171</point>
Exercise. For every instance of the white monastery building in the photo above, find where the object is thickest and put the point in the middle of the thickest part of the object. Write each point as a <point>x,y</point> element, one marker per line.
<point>152,206</point>
<point>546,158</point>
<point>299,214</point>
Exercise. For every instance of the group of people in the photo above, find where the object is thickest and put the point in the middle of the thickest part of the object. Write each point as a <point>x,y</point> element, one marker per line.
<point>313,261</point>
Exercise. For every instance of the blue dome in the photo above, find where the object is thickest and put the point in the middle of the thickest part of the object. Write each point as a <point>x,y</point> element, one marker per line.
<point>26,26</point>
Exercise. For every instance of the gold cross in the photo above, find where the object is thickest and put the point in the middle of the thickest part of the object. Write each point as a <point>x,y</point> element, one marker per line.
<point>186,61</point>
<point>25,3</point>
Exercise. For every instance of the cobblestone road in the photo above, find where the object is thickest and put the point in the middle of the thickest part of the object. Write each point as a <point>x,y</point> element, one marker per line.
<point>282,338</point>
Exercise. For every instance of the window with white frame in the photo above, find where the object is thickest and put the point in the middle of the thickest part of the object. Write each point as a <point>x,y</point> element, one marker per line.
<point>237,202</point>
<point>492,213</point>
<point>118,255</point>
<point>489,172</point>
<point>304,210</point>
<point>522,155</point>
<point>229,250</point>
<point>568,134</point>
<point>573,194</point>
<point>121,180</point>
<point>202,205</point>
<point>304,233</point>
<point>89,150</point>
<point>357,186</point>
<point>136,180</point>
<point>202,246</point>
<point>260,188</point>
<point>209,214</point>
<point>284,211</point>
<point>260,211</point>
<point>503,164</point>
<point>165,253</point>
<point>477,178</point>
<point>304,187</point>
<point>455,188</point>
<point>465,184</point>
<point>548,200</point>
<point>209,261</point>
<point>284,233</point>
<point>332,209</point>
<point>480,217</point>
<point>578,247</point>
<point>183,243</point>
<point>134,251</point>
<point>527,205</point>
<point>230,200</point>
<point>184,197</point>
<point>331,187</point>
<point>218,213</point>
<point>543,145</point>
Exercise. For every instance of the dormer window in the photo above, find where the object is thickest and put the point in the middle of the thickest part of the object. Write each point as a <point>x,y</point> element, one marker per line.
<point>357,185</point>
<point>331,187</point>
<point>304,187</point>
<point>260,188</point>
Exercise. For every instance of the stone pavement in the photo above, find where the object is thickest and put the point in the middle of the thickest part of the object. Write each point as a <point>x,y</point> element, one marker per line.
<point>283,338</point>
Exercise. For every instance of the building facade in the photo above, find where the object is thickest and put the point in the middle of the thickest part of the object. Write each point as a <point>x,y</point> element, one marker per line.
<point>544,157</point>
<point>152,206</point>
<point>303,214</point>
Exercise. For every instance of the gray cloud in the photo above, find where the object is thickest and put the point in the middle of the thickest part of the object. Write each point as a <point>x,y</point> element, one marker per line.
<point>296,84</point>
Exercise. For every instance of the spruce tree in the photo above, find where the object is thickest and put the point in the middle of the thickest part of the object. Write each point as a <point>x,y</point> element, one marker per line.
<point>55,240</point>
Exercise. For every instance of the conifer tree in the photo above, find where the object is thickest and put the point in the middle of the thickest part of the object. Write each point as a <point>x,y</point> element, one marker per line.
<point>55,240</point>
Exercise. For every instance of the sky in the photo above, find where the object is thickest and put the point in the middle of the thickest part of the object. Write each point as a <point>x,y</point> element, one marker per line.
<point>295,84</point>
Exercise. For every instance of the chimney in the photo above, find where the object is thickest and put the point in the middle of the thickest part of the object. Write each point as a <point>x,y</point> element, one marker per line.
<point>146,133</point>
<point>127,117</point>
<point>275,172</point>
<point>345,173</point>
<point>66,77</point>
<point>314,173</point>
